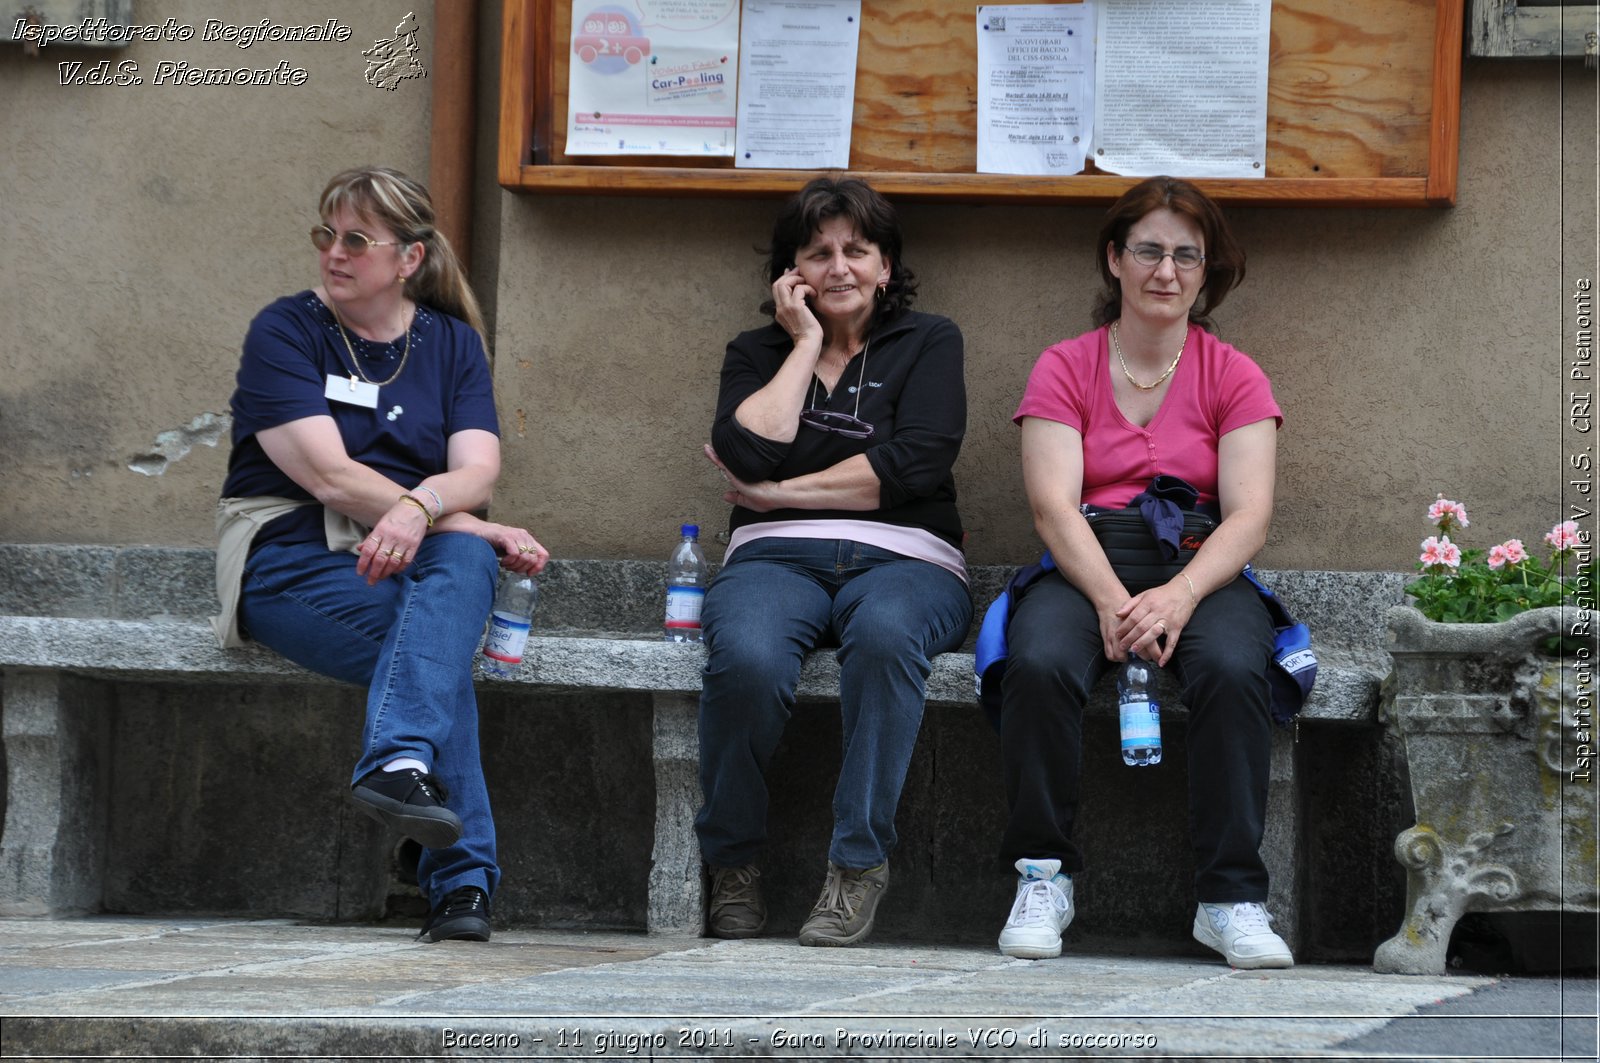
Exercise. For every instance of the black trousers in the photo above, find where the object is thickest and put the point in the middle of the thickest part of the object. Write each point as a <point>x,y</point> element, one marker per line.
<point>1056,655</point>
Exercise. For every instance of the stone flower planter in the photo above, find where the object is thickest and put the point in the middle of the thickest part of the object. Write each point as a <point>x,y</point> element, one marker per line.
<point>1491,742</point>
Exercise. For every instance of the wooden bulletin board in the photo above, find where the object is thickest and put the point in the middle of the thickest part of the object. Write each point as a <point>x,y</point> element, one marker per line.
<point>1364,102</point>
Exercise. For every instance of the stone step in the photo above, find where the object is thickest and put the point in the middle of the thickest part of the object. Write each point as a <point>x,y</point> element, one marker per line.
<point>250,988</point>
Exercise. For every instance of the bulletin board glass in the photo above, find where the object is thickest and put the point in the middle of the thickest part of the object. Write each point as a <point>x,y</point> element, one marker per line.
<point>1364,102</point>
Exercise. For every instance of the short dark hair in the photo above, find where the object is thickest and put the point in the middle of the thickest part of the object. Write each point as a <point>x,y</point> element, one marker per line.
<point>873,217</point>
<point>1224,257</point>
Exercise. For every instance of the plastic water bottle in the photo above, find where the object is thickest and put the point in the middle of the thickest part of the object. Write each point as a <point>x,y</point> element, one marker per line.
<point>509,625</point>
<point>1140,713</point>
<point>686,587</point>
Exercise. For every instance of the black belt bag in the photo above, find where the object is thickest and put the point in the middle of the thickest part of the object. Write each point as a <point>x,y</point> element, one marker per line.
<point>1136,556</point>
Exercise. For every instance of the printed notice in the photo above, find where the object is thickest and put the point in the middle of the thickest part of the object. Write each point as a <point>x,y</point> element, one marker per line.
<point>1035,87</point>
<point>797,83</point>
<point>652,77</point>
<point>1181,87</point>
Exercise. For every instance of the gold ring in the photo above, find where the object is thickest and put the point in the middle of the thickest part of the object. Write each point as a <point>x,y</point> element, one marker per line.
<point>526,550</point>
<point>1163,625</point>
<point>396,554</point>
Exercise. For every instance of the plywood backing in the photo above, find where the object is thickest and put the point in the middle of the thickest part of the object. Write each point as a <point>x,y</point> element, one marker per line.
<point>1363,108</point>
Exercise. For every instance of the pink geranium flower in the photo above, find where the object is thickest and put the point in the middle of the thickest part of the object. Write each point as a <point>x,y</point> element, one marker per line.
<point>1510,552</point>
<point>1474,586</point>
<point>1438,550</point>
<point>1446,514</point>
<point>1563,536</point>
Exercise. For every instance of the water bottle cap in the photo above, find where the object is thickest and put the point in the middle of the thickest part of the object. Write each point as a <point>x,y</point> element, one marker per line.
<point>689,529</point>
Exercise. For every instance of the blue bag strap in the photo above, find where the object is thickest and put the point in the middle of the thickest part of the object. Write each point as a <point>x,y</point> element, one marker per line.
<point>1275,607</point>
<point>990,651</point>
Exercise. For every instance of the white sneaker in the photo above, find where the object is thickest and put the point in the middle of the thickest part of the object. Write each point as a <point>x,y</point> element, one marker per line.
<point>1243,933</point>
<point>1040,913</point>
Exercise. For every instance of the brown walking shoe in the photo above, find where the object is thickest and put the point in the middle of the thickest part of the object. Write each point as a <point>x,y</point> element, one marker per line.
<point>843,914</point>
<point>737,908</point>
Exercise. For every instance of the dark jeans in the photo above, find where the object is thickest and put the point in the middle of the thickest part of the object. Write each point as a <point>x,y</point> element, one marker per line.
<point>410,641</point>
<point>1056,655</point>
<point>774,601</point>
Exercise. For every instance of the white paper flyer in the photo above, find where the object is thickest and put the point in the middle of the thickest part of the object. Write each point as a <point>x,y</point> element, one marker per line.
<point>1182,87</point>
<point>797,84</point>
<point>1035,87</point>
<point>652,77</point>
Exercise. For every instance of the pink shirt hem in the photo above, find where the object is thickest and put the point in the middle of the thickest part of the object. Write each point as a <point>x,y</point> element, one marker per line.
<point>914,543</point>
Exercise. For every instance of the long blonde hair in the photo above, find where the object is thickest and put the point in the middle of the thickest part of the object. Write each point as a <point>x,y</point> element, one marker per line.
<point>380,194</point>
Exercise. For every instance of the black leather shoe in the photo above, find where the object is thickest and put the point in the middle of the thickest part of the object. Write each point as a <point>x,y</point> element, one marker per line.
<point>463,915</point>
<point>411,803</point>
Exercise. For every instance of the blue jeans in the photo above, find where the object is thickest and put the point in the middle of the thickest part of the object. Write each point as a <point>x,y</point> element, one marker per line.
<point>777,599</point>
<point>410,641</point>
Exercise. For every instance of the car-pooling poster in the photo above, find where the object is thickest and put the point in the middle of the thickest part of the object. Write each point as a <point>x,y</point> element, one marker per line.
<point>653,77</point>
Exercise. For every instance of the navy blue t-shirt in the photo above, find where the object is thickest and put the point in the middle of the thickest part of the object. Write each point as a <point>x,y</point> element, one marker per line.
<point>292,348</point>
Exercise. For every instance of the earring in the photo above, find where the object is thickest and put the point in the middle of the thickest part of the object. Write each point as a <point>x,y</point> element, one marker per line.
<point>883,289</point>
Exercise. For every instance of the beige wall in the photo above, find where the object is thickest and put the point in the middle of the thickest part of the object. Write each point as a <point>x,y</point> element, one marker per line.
<point>1414,351</point>
<point>145,226</point>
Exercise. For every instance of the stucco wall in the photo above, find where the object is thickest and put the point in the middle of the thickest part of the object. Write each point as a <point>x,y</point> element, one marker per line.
<point>1413,351</point>
<point>146,225</point>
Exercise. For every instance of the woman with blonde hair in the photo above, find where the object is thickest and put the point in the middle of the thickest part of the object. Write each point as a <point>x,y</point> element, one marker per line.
<point>364,438</point>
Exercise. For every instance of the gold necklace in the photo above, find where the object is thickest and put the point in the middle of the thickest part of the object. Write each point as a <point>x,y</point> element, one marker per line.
<point>1117,346</point>
<point>355,363</point>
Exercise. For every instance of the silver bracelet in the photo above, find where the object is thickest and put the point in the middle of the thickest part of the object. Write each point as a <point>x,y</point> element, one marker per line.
<point>439,501</point>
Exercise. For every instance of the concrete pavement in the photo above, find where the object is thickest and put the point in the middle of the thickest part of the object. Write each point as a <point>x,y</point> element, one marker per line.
<point>255,988</point>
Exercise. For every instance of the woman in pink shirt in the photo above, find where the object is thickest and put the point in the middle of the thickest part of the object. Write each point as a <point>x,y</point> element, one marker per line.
<point>1149,391</point>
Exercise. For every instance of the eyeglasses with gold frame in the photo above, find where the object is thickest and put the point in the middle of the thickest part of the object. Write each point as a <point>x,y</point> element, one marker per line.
<point>355,243</point>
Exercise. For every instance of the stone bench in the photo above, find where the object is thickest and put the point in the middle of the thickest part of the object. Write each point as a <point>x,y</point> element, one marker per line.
<point>79,623</point>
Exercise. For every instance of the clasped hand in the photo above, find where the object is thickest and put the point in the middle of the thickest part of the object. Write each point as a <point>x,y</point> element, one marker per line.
<point>1149,624</point>
<point>394,541</point>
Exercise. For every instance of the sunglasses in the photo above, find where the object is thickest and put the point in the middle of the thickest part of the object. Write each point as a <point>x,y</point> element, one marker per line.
<point>355,243</point>
<point>838,422</point>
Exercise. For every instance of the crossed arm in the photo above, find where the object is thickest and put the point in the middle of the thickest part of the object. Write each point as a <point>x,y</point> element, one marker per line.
<point>311,452</point>
<point>758,420</point>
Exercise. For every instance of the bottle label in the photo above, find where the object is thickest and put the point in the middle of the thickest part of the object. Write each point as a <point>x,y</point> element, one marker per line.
<point>683,607</point>
<point>508,635</point>
<point>1141,724</point>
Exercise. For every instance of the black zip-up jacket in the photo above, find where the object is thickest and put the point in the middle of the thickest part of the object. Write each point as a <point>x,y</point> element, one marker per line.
<point>914,395</point>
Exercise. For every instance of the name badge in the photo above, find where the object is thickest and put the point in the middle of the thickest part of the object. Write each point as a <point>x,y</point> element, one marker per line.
<point>350,390</point>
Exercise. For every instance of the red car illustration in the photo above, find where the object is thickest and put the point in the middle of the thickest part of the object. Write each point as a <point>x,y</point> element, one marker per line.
<point>604,34</point>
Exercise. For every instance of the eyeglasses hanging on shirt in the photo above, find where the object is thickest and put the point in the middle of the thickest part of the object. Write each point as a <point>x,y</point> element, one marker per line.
<point>849,425</point>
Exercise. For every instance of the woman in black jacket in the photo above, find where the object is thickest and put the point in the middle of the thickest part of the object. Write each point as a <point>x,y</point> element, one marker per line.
<point>837,427</point>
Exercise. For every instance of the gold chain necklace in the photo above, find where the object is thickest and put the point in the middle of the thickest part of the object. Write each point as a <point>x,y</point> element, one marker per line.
<point>355,363</point>
<point>1158,380</point>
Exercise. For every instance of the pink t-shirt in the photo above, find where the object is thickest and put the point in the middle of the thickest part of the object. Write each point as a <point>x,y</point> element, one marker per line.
<point>1214,390</point>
